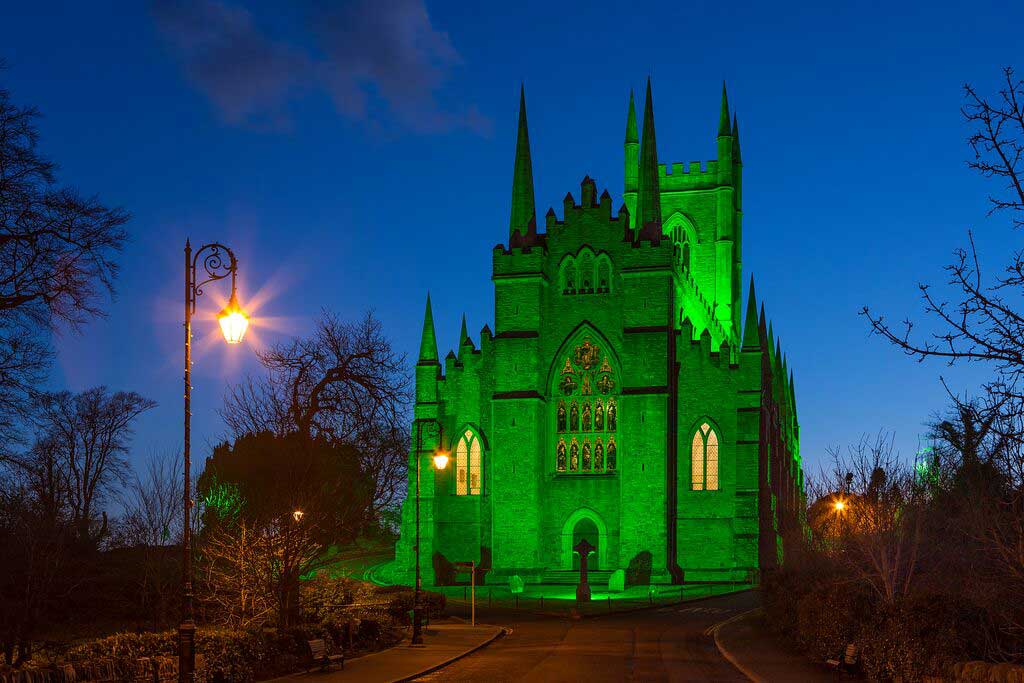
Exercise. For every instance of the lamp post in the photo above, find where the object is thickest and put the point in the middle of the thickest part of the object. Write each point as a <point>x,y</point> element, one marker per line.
<point>440,462</point>
<point>218,262</point>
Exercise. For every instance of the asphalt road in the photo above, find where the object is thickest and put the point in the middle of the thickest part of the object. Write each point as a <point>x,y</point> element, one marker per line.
<point>664,644</point>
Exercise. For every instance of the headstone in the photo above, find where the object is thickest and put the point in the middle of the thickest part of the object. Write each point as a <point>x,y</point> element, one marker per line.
<point>584,548</point>
<point>515,583</point>
<point>617,581</point>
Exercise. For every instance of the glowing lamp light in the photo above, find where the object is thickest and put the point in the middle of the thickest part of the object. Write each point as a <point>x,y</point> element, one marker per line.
<point>441,460</point>
<point>839,506</point>
<point>297,515</point>
<point>233,321</point>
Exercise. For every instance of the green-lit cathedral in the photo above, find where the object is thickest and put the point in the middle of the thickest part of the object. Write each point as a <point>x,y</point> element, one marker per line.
<point>623,396</point>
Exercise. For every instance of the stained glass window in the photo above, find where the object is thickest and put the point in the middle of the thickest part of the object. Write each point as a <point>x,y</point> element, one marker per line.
<point>586,418</point>
<point>468,465</point>
<point>704,459</point>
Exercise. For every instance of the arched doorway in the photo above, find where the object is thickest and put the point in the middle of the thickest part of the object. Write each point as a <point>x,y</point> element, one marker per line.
<point>584,523</point>
<point>586,529</point>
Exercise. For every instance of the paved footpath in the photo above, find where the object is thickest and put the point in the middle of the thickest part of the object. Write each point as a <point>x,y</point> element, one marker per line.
<point>442,644</point>
<point>747,642</point>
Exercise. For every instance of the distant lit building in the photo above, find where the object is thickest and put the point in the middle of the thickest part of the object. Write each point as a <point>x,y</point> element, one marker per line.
<point>623,395</point>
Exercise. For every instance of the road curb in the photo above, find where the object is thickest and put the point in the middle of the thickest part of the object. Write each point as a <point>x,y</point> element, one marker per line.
<point>724,651</point>
<point>502,631</point>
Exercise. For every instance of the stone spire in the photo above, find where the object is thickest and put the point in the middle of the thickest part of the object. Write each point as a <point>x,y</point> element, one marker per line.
<point>631,133</point>
<point>723,119</point>
<point>463,334</point>
<point>428,342</point>
<point>648,206</point>
<point>736,140</point>
<point>751,331</point>
<point>523,218</point>
<point>632,148</point>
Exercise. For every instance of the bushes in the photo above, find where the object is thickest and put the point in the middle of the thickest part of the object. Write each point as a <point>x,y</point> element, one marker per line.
<point>243,655</point>
<point>402,603</point>
<point>914,637</point>
<point>829,617</point>
<point>239,655</point>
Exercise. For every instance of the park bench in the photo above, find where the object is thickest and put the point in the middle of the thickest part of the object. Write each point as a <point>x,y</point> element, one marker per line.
<point>848,660</point>
<point>318,655</point>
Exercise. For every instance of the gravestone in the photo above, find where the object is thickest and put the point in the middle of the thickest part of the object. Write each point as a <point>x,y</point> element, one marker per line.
<point>617,581</point>
<point>584,548</point>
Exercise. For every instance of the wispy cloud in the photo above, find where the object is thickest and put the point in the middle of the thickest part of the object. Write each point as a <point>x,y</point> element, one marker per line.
<point>359,52</point>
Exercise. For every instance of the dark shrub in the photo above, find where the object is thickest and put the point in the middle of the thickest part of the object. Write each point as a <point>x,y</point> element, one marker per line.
<point>914,637</point>
<point>401,604</point>
<point>830,617</point>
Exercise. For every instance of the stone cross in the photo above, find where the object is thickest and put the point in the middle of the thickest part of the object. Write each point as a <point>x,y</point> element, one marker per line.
<point>584,548</point>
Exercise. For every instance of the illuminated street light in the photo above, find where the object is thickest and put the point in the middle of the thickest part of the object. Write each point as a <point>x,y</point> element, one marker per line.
<point>218,262</point>
<point>233,321</point>
<point>839,506</point>
<point>440,460</point>
<point>297,515</point>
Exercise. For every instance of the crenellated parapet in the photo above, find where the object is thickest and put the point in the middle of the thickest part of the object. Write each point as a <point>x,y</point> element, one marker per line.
<point>695,175</point>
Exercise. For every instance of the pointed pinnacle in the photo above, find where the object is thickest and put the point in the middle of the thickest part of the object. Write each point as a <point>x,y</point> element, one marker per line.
<point>723,121</point>
<point>463,334</point>
<point>751,333</point>
<point>631,131</point>
<point>428,342</point>
<point>649,196</point>
<point>735,139</point>
<point>523,209</point>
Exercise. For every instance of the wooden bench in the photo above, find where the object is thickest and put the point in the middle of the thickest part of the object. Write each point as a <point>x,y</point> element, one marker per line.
<point>848,660</point>
<point>318,655</point>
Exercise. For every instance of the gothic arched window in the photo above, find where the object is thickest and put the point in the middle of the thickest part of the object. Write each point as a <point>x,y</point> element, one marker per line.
<point>686,256</point>
<point>586,416</point>
<point>569,277</point>
<point>586,273</point>
<point>468,465</point>
<point>604,275</point>
<point>704,459</point>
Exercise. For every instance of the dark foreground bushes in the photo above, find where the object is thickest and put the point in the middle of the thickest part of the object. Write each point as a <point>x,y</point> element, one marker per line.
<point>351,616</point>
<point>908,639</point>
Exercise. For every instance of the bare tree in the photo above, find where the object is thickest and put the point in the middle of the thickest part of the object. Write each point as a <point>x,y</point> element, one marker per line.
<point>87,436</point>
<point>152,502</point>
<point>39,572</point>
<point>344,383</point>
<point>57,257</point>
<point>984,325</point>
<point>871,511</point>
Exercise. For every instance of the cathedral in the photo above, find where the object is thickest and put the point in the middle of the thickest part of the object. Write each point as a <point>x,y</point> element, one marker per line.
<point>625,395</point>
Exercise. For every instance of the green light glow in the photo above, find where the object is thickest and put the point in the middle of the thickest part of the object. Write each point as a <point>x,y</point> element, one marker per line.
<point>616,342</point>
<point>224,499</point>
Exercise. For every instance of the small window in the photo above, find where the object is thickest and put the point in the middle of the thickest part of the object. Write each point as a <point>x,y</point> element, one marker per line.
<point>704,459</point>
<point>468,465</point>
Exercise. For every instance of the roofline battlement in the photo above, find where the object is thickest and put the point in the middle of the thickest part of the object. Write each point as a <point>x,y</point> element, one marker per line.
<point>693,175</point>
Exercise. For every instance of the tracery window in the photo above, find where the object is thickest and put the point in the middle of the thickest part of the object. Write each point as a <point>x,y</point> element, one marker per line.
<point>586,414</point>
<point>468,470</point>
<point>586,273</point>
<point>704,459</point>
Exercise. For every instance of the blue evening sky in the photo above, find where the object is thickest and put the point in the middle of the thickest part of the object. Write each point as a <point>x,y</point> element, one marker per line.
<point>358,154</point>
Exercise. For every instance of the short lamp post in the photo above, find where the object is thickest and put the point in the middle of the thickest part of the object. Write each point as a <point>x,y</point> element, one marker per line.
<point>440,461</point>
<point>218,262</point>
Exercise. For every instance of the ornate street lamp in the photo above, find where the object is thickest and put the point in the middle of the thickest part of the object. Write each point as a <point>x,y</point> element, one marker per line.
<point>218,263</point>
<point>440,462</point>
